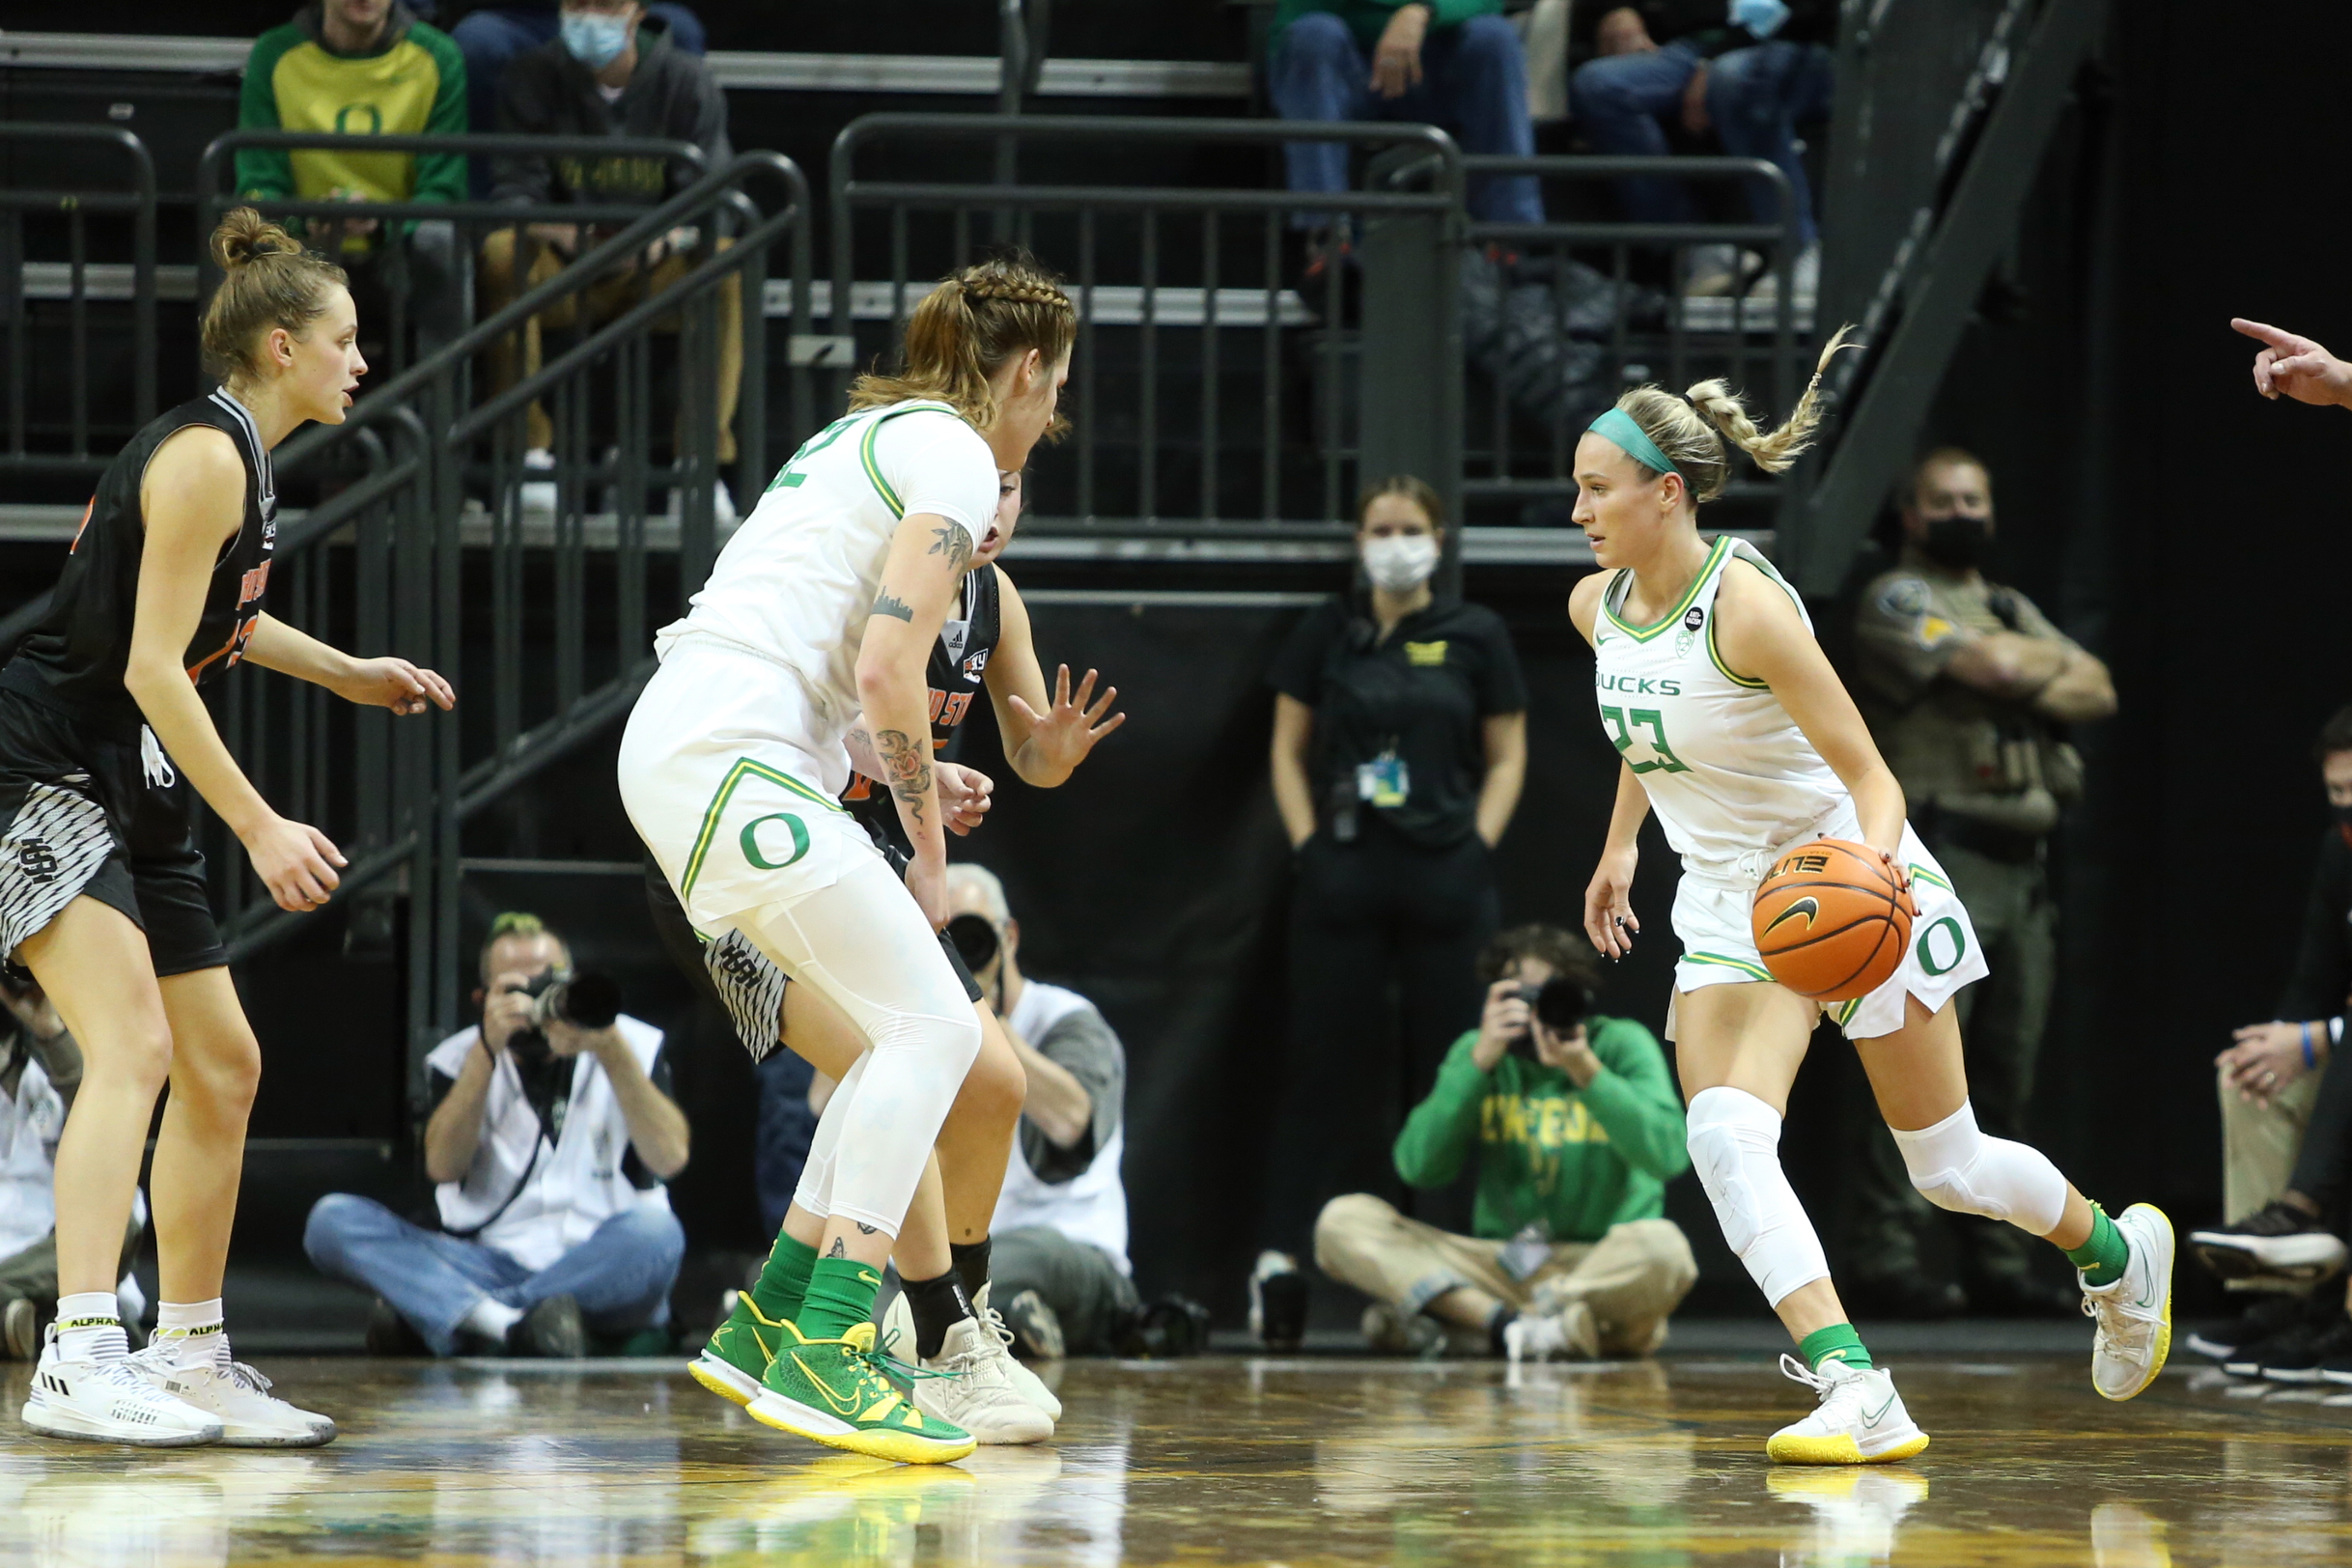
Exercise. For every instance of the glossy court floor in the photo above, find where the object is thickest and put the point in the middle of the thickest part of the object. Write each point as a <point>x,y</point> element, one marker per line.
<point>1223,1460</point>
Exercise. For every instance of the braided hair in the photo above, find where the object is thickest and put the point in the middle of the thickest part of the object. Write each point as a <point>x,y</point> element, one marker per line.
<point>1691,428</point>
<point>967,328</point>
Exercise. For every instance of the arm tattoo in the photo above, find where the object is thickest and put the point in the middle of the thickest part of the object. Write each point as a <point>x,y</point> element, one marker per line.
<point>890,605</point>
<point>954,542</point>
<point>907,759</point>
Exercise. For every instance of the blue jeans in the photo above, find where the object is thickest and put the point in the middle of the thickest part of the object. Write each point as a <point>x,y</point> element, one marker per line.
<point>1474,82</point>
<point>490,36</point>
<point>1756,97</point>
<point>620,1274</point>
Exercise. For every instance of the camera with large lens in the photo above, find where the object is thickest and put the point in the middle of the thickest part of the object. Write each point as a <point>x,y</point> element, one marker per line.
<point>585,1000</point>
<point>975,942</point>
<point>1559,1004</point>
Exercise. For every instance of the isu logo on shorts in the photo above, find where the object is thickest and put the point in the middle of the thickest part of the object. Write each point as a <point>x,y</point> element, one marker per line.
<point>37,860</point>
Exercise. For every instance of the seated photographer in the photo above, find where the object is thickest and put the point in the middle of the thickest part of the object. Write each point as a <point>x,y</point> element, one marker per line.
<point>552,1131</point>
<point>39,1069</point>
<point>1576,1128</point>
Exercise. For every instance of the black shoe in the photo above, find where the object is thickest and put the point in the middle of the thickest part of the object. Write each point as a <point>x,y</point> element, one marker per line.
<point>1909,1296</point>
<point>2300,1360</point>
<point>2022,1295</point>
<point>389,1333</point>
<point>2258,1322</point>
<point>2279,1242</point>
<point>1170,1327</point>
<point>2283,1346</point>
<point>551,1329</point>
<point>1277,1301</point>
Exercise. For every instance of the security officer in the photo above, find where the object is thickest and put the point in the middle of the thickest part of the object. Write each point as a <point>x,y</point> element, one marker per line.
<point>1968,688</point>
<point>1400,743</point>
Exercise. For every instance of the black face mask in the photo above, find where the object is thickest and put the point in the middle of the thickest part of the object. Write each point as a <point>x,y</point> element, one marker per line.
<point>1959,543</point>
<point>2343,816</point>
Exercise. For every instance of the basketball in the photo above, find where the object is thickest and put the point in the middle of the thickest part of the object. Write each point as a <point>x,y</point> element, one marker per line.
<point>1831,921</point>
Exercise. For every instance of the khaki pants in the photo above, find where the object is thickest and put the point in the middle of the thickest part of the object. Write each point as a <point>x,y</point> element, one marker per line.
<point>1630,1279</point>
<point>605,300</point>
<point>2259,1143</point>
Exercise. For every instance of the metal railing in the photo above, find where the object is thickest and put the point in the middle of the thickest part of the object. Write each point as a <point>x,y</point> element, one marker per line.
<point>38,439</point>
<point>1193,413</point>
<point>1568,335</point>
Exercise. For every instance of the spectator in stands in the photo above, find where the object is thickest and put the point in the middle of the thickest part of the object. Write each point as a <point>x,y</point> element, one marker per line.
<point>549,1143</point>
<point>1456,63</point>
<point>39,1069</point>
<point>490,36</point>
<point>2286,1108</point>
<point>1058,1270</point>
<point>345,66</point>
<point>1752,79</point>
<point>607,74</point>
<point>1400,743</point>
<point>1575,1131</point>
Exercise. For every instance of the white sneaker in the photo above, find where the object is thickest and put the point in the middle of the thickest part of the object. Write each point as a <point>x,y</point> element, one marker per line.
<point>1860,1420</point>
<point>234,1396</point>
<point>538,494</point>
<point>1857,1513</point>
<point>2135,1313</point>
<point>968,1388</point>
<point>110,1402</point>
<point>1026,1383</point>
<point>1568,1334</point>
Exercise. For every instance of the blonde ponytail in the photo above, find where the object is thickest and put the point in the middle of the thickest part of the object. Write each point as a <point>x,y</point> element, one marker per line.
<point>1691,429</point>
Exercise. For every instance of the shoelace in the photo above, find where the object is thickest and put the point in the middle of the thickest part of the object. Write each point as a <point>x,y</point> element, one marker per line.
<point>2127,1328</point>
<point>994,1322</point>
<point>1797,1371</point>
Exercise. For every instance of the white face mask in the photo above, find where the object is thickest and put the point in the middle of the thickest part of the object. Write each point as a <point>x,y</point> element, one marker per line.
<point>1400,562</point>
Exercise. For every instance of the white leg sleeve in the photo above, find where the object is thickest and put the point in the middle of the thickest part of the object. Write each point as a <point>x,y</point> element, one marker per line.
<point>1735,1146</point>
<point>815,1194</point>
<point>865,947</point>
<point>1957,1167</point>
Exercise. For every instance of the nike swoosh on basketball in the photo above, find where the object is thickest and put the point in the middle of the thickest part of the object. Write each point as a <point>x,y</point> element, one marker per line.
<point>1809,906</point>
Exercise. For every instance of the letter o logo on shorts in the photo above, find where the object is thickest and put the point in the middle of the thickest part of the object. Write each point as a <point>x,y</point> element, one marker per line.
<point>750,841</point>
<point>1924,948</point>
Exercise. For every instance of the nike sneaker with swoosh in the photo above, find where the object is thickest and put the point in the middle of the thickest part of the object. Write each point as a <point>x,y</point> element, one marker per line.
<point>2135,1313</point>
<point>1860,1420</point>
<point>834,1391</point>
<point>737,1356</point>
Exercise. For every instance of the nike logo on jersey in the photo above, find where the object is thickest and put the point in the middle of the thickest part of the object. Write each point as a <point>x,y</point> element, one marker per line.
<point>1809,906</point>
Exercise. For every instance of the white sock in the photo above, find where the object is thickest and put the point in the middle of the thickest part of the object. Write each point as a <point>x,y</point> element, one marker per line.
<point>89,1328</point>
<point>491,1319</point>
<point>190,1334</point>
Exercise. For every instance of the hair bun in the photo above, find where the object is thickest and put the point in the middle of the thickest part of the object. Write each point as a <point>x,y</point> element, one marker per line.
<point>244,235</point>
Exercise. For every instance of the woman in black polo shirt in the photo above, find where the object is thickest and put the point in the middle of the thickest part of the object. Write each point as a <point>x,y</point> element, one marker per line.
<point>1400,743</point>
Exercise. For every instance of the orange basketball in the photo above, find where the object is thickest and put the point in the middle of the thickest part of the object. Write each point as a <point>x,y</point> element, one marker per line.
<point>1831,921</point>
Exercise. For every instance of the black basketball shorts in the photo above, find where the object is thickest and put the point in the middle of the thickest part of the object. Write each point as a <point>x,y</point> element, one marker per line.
<point>90,809</point>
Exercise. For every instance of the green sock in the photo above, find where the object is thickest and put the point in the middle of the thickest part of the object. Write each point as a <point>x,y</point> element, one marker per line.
<point>2104,1254</point>
<point>784,1279</point>
<point>1838,1342</point>
<point>841,1293</point>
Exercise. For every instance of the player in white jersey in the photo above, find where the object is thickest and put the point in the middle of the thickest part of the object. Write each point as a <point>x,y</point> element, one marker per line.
<point>824,604</point>
<point>1734,729</point>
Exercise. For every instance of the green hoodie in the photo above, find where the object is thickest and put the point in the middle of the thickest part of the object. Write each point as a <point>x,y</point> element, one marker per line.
<point>1570,1161</point>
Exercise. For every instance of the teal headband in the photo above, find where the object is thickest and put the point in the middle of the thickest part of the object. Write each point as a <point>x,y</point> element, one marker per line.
<point>1620,426</point>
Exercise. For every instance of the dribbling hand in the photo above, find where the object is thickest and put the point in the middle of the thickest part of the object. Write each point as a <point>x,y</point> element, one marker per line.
<point>1610,922</point>
<point>296,862</point>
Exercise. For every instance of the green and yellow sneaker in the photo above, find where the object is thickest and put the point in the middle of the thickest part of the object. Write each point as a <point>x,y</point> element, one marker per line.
<point>732,1364</point>
<point>834,1391</point>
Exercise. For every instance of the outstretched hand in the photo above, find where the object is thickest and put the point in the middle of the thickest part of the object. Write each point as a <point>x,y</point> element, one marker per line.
<point>1067,731</point>
<point>397,684</point>
<point>2296,366</point>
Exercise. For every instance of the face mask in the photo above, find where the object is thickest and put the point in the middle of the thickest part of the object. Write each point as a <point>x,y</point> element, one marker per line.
<point>1958,542</point>
<point>2343,816</point>
<point>1400,562</point>
<point>1763,19</point>
<point>594,41</point>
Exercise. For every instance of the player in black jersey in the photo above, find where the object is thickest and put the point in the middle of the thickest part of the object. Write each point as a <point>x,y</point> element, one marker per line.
<point>101,888</point>
<point>941,1252</point>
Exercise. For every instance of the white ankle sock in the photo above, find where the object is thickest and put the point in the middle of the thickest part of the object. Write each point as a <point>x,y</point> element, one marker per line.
<point>89,1328</point>
<point>490,1318</point>
<point>191,1333</point>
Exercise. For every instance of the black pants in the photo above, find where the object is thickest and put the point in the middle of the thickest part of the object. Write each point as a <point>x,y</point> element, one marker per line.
<point>2323,1165</point>
<point>1384,939</point>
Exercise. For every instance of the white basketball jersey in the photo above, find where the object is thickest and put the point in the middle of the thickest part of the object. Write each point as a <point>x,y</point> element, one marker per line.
<point>797,583</point>
<point>1730,775</point>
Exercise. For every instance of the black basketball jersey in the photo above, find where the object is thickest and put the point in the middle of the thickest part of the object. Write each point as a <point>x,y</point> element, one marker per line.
<point>959,662</point>
<point>76,656</point>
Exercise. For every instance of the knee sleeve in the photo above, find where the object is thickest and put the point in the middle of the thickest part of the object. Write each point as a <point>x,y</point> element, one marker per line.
<point>1955,1166</point>
<point>815,1194</point>
<point>1735,1147</point>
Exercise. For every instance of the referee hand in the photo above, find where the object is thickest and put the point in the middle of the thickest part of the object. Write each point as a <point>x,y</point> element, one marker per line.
<point>296,862</point>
